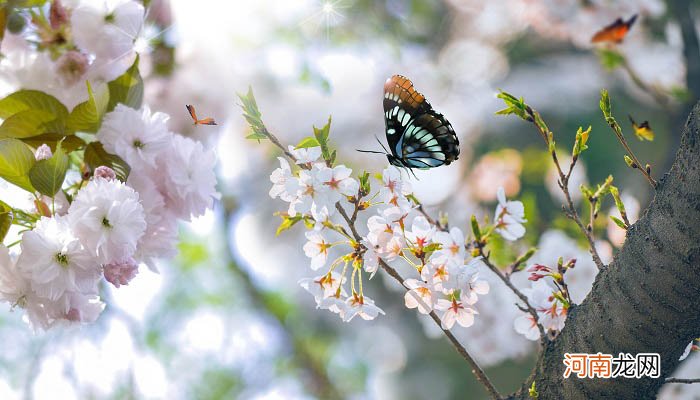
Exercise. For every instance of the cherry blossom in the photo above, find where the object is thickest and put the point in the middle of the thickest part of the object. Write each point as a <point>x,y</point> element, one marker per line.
<point>452,243</point>
<point>284,183</point>
<point>317,249</point>
<point>455,311</point>
<point>419,296</point>
<point>306,156</point>
<point>510,215</point>
<point>362,306</point>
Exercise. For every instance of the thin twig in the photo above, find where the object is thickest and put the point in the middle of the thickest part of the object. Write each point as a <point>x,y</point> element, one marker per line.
<point>637,164</point>
<point>655,94</point>
<point>682,380</point>
<point>515,290</point>
<point>569,207</point>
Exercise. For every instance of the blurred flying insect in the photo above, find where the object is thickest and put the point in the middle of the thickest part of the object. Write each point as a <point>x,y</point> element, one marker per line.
<point>615,32</point>
<point>642,131</point>
<point>203,121</point>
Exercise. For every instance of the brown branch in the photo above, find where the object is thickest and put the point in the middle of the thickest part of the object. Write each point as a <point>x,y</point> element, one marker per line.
<point>637,164</point>
<point>476,370</point>
<point>682,380</point>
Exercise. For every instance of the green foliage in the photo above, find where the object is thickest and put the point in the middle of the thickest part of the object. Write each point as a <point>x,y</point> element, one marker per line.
<point>521,261</point>
<point>16,160</point>
<point>618,222</point>
<point>87,116</point>
<point>6,218</point>
<point>514,105</point>
<point>127,89</point>
<point>605,104</point>
<point>26,124</point>
<point>41,107</point>
<point>47,176</point>
<point>69,143</point>
<point>581,140</point>
<point>96,156</point>
<point>192,253</point>
<point>610,59</point>
<point>307,142</point>
<point>252,114</point>
<point>287,222</point>
<point>475,228</point>
<point>365,186</point>
<point>532,391</point>
<point>321,136</point>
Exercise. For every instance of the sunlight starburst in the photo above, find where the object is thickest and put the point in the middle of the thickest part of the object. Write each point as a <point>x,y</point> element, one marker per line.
<point>327,15</point>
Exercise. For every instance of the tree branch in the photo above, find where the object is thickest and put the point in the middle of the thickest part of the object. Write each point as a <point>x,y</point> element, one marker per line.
<point>682,380</point>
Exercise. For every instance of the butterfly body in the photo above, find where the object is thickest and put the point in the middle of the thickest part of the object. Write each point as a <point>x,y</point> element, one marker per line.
<point>614,32</point>
<point>418,136</point>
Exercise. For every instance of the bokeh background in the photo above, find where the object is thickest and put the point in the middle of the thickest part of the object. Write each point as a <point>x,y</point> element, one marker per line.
<point>227,319</point>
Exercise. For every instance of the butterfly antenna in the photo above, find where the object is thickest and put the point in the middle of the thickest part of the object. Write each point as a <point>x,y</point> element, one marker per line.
<point>370,151</point>
<point>381,144</point>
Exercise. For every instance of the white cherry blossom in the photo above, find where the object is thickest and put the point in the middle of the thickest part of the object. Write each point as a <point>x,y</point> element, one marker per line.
<point>509,217</point>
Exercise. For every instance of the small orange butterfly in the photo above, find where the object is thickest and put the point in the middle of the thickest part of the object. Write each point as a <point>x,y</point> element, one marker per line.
<point>203,121</point>
<point>614,32</point>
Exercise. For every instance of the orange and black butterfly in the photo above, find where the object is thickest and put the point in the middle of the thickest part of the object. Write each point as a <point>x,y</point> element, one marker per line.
<point>614,32</point>
<point>418,136</point>
<point>203,121</point>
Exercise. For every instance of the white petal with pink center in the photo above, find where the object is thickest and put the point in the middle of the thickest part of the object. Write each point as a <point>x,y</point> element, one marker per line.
<point>455,311</point>
<point>526,326</point>
<point>509,217</point>
<point>419,296</point>
<point>362,306</point>
<point>284,184</point>
<point>452,243</point>
<point>317,249</point>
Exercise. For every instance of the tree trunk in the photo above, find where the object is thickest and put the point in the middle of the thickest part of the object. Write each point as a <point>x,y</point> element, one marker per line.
<point>646,300</point>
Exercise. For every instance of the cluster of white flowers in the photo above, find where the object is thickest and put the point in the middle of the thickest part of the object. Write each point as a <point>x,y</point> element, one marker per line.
<point>110,227</point>
<point>90,40</point>
<point>447,282</point>
<point>551,312</point>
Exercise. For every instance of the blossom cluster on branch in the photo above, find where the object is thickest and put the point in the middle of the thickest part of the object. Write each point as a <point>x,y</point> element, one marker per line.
<point>104,179</point>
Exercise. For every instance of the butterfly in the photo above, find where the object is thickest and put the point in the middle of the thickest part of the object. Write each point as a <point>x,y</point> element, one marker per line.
<point>614,32</point>
<point>643,130</point>
<point>203,121</point>
<point>418,136</point>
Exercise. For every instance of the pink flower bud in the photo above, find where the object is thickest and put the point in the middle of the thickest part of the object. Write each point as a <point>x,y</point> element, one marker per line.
<point>539,267</point>
<point>43,152</point>
<point>73,315</point>
<point>120,273</point>
<point>535,277</point>
<point>105,172</point>
<point>71,67</point>
<point>57,14</point>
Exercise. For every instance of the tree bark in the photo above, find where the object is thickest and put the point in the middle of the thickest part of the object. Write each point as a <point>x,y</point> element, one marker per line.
<point>646,300</point>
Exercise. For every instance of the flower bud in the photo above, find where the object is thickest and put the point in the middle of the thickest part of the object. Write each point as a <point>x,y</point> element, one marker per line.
<point>105,173</point>
<point>57,14</point>
<point>43,152</point>
<point>71,67</point>
<point>120,273</point>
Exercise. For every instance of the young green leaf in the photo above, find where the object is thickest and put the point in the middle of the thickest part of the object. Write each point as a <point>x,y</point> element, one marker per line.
<point>307,142</point>
<point>16,159</point>
<point>605,104</point>
<point>47,176</point>
<point>618,222</point>
<point>514,105</point>
<point>96,156</point>
<point>321,135</point>
<point>610,59</point>
<point>287,222</point>
<point>252,115</point>
<point>581,140</point>
<point>127,89</point>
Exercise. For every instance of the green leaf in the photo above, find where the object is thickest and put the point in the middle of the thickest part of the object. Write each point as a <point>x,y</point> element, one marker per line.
<point>365,185</point>
<point>307,142</point>
<point>30,3</point>
<point>321,135</point>
<point>605,104</point>
<point>26,123</point>
<point>618,222</point>
<point>475,228</point>
<point>32,100</point>
<point>532,391</point>
<point>47,176</point>
<point>6,218</point>
<point>629,162</point>
<point>256,136</point>
<point>16,159</point>
<point>87,116</point>
<point>127,89</point>
<point>96,156</point>
<point>287,222</point>
<point>69,143</point>
<point>252,115</point>
<point>514,105</point>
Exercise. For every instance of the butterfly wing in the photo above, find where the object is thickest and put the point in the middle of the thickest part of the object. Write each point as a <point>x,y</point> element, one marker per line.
<point>418,136</point>
<point>402,103</point>
<point>614,32</point>
<point>207,121</point>
<point>429,141</point>
<point>193,113</point>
